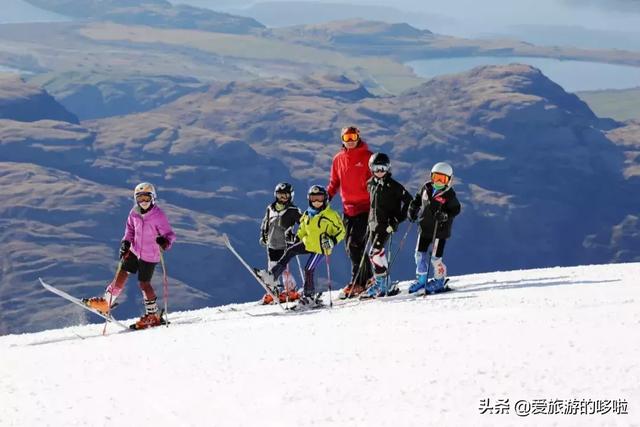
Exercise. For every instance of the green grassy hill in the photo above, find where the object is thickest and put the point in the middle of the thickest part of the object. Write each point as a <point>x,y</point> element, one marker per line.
<point>623,104</point>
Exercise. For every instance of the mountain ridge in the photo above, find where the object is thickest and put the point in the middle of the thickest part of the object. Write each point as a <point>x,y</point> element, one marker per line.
<point>154,13</point>
<point>528,159</point>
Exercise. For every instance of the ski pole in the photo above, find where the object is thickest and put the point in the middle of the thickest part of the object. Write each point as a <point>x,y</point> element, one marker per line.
<point>393,256</point>
<point>300,270</point>
<point>433,239</point>
<point>400,245</point>
<point>366,236</point>
<point>360,267</point>
<point>289,283</point>
<point>389,265</point>
<point>329,278</point>
<point>104,329</point>
<point>165,287</point>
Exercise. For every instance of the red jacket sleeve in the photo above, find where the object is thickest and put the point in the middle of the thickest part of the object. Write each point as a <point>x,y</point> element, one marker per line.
<point>334,178</point>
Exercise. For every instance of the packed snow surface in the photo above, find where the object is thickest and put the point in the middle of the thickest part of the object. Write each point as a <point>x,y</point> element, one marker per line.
<point>564,335</point>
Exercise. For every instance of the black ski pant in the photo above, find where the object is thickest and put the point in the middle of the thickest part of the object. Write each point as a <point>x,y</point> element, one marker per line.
<point>132,264</point>
<point>356,245</point>
<point>273,256</point>
<point>309,268</point>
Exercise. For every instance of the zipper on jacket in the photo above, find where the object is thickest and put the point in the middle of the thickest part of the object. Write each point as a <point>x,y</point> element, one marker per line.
<point>141,239</point>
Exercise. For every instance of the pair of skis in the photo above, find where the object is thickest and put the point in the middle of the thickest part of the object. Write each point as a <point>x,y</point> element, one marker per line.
<point>79,303</point>
<point>394,291</point>
<point>267,289</point>
<point>109,318</point>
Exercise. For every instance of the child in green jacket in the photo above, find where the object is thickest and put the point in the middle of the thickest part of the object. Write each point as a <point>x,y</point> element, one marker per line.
<point>320,230</point>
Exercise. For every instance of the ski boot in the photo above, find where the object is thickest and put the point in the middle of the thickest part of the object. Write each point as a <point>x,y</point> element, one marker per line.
<point>291,295</point>
<point>377,288</point>
<point>267,279</point>
<point>148,321</point>
<point>371,292</point>
<point>268,299</point>
<point>350,291</point>
<point>419,283</point>
<point>393,290</point>
<point>381,282</point>
<point>435,286</point>
<point>310,301</point>
<point>97,303</point>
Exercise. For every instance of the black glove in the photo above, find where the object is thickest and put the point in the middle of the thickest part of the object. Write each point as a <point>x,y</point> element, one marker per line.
<point>291,238</point>
<point>125,245</point>
<point>393,223</point>
<point>441,217</point>
<point>412,213</point>
<point>435,206</point>
<point>163,242</point>
<point>328,242</point>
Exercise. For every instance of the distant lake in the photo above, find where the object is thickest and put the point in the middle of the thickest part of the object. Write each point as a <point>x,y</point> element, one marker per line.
<point>14,11</point>
<point>573,76</point>
<point>4,69</point>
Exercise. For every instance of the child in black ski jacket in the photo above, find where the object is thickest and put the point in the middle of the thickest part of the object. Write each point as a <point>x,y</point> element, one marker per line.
<point>389,204</point>
<point>434,208</point>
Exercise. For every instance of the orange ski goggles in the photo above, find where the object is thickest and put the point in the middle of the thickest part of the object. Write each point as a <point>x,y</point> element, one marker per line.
<point>440,178</point>
<point>144,197</point>
<point>316,198</point>
<point>350,137</point>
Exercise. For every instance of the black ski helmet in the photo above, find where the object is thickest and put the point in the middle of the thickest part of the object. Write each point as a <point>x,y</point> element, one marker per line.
<point>317,190</point>
<point>284,187</point>
<point>379,160</point>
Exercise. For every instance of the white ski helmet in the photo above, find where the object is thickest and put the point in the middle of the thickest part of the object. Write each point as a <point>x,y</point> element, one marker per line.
<point>444,169</point>
<point>145,188</point>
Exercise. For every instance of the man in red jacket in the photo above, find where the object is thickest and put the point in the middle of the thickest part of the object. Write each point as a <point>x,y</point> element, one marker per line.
<point>349,174</point>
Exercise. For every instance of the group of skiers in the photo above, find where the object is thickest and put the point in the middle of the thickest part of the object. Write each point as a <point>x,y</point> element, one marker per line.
<point>374,205</point>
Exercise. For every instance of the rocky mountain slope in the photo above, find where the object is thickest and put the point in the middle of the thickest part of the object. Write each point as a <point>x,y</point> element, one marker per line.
<point>154,13</point>
<point>95,95</point>
<point>25,102</point>
<point>541,179</point>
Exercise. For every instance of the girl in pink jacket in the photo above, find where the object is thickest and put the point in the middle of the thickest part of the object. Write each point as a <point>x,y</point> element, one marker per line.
<point>147,232</point>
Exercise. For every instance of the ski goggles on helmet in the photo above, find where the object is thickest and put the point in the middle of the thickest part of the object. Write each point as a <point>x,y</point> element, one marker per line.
<point>144,197</point>
<point>379,168</point>
<point>440,178</point>
<point>350,137</point>
<point>316,198</point>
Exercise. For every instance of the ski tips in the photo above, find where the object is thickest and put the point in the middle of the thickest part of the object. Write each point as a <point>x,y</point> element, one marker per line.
<point>43,283</point>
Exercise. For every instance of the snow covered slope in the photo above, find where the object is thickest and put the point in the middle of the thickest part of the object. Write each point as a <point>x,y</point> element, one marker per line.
<point>564,335</point>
